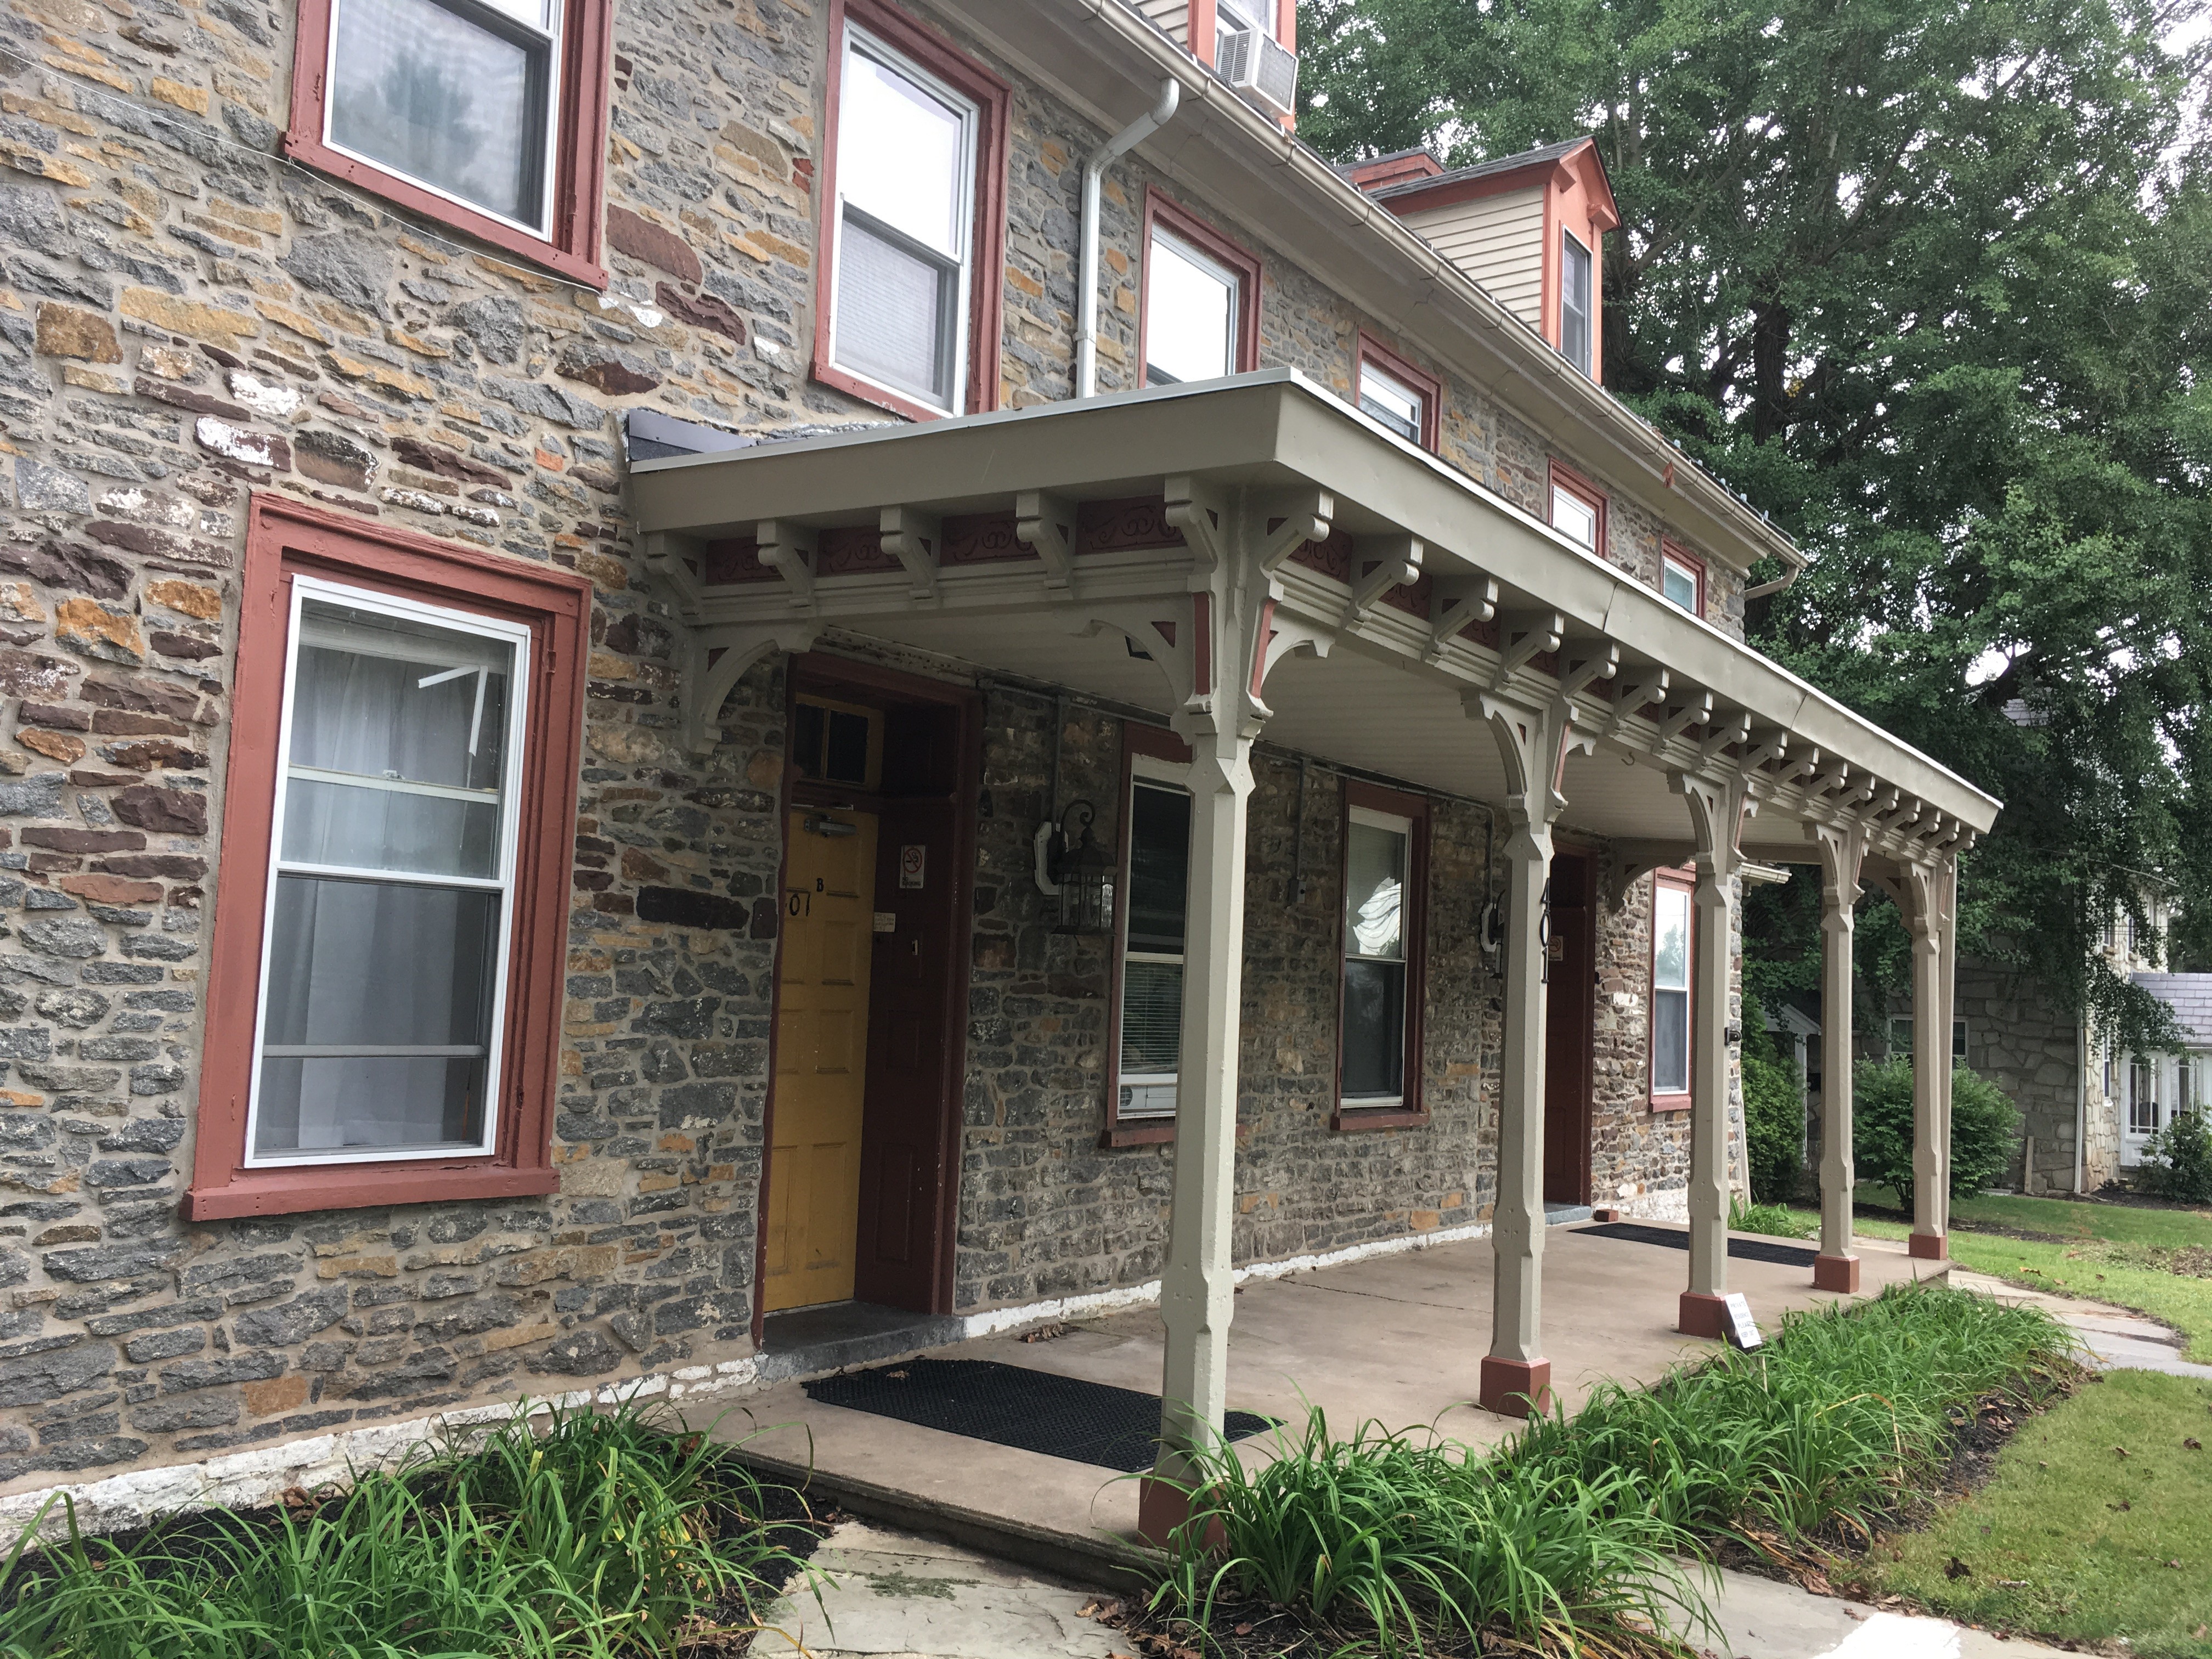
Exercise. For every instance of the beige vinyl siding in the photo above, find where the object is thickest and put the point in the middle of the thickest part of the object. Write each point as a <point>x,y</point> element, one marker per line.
<point>1172,16</point>
<point>1499,241</point>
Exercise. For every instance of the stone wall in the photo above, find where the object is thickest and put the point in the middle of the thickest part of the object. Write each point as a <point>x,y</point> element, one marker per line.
<point>2029,1050</point>
<point>186,317</point>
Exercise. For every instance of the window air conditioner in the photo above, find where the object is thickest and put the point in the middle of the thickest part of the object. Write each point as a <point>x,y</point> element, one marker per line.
<point>1259,67</point>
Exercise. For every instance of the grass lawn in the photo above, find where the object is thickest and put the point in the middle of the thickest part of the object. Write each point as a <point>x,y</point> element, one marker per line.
<point>2072,1539</point>
<point>2156,1262</point>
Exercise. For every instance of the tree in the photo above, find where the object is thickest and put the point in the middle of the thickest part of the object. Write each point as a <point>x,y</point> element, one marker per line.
<point>1929,283</point>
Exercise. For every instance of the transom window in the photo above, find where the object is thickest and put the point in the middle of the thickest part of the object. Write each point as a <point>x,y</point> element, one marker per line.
<point>391,894</point>
<point>1191,318</point>
<point>1682,581</point>
<point>906,172</point>
<point>1575,310</point>
<point>1377,849</point>
<point>1157,883</point>
<point>1672,943</point>
<point>1389,400</point>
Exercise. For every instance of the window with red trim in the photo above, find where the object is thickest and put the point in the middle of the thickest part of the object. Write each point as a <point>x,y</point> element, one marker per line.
<point>1578,507</point>
<point>1381,926</point>
<point>1393,391</point>
<point>913,218</point>
<point>385,989</point>
<point>488,117</point>
<point>1682,578</point>
<point>1674,962</point>
<point>1144,1014</point>
<point>1200,315</point>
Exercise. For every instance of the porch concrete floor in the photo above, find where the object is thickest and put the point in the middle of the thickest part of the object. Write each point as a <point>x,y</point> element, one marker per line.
<point>1397,1339</point>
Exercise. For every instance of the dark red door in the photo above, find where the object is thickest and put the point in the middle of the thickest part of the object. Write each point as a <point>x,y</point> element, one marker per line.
<point>1570,995</point>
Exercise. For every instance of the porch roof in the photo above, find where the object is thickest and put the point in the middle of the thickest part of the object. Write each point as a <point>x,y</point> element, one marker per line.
<point>939,535</point>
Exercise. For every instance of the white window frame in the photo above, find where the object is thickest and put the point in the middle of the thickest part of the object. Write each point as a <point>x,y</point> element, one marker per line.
<point>860,40</point>
<point>1146,771</point>
<point>1671,566</point>
<point>1567,239</point>
<point>1403,829</point>
<point>1687,990</point>
<point>1561,493</point>
<point>1370,370</point>
<point>547,161</point>
<point>305,588</point>
<point>1230,278</point>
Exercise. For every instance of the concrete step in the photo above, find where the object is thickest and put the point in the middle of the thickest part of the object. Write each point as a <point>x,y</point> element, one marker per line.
<point>839,1335</point>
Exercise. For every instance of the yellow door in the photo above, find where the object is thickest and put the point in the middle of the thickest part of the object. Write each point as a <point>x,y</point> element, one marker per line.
<point>821,1058</point>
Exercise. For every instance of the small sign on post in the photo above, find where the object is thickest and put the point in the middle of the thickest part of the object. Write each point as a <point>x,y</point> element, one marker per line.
<point>1742,1330</point>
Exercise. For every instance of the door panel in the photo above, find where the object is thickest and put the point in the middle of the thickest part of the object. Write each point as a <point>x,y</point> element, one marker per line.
<point>821,1061</point>
<point>1570,1017</point>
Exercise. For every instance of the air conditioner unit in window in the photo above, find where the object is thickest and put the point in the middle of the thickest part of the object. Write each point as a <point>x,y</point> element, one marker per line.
<point>1259,67</point>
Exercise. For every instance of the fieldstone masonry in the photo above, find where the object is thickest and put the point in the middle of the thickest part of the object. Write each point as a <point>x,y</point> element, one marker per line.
<point>187,316</point>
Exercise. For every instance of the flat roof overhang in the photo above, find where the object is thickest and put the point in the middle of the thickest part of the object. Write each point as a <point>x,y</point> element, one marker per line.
<point>1386,699</point>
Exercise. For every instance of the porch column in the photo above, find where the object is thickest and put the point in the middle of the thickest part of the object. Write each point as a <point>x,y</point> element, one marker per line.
<point>1717,810</point>
<point>1931,1067</point>
<point>1534,744</point>
<point>1197,1283</point>
<point>1836,1268</point>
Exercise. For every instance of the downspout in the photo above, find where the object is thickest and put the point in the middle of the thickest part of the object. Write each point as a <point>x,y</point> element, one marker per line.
<point>1086,278</point>
<point>1777,585</point>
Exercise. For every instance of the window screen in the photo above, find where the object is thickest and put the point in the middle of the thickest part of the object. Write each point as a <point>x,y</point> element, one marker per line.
<point>1670,989</point>
<point>1191,307</point>
<point>906,165</point>
<point>1388,399</point>
<point>1574,301</point>
<point>1152,957</point>
<point>380,1013</point>
<point>455,95</point>
<point>1376,848</point>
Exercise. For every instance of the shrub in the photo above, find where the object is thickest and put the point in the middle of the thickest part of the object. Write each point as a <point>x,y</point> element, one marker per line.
<point>1984,1128</point>
<point>1773,1113</point>
<point>2176,1162</point>
<point>1772,1219</point>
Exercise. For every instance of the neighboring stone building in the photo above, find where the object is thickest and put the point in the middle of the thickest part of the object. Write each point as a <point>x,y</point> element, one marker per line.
<point>328,433</point>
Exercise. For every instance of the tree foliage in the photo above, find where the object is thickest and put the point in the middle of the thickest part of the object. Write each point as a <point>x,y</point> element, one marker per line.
<point>1930,282</point>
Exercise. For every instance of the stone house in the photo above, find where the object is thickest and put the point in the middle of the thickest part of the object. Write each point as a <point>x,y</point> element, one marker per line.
<point>1027,695</point>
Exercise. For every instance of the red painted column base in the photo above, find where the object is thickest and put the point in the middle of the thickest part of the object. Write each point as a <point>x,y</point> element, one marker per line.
<point>1702,1314</point>
<point>1929,1246</point>
<point>1607,1213</point>
<point>1840,1273</point>
<point>1162,1506</point>
<point>1508,1386</point>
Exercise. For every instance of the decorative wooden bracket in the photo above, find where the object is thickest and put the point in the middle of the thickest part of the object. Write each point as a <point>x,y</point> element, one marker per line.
<point>1279,528</point>
<point>1732,727</point>
<point>1533,741</point>
<point>1695,708</point>
<point>1718,807</point>
<point>663,558</point>
<point>707,683</point>
<point>788,549</point>
<point>914,539</point>
<point>1803,764</point>
<point>1198,511</point>
<point>1458,602</point>
<point>1522,636</point>
<point>1597,659</point>
<point>1045,523</point>
<point>1644,684</point>
<point>1761,748</point>
<point>1634,859</point>
<point>1830,783</point>
<point>1397,561</point>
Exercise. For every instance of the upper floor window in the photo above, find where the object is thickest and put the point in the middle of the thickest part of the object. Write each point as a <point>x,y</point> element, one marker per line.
<point>1229,15</point>
<point>1201,294</point>
<point>1682,579</point>
<point>1673,943</point>
<point>1393,391</point>
<point>914,220</point>
<point>1576,309</point>
<point>487,115</point>
<point>1578,508</point>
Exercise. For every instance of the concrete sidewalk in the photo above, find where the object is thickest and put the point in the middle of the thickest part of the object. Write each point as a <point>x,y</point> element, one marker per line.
<point>893,1595</point>
<point>2120,1339</point>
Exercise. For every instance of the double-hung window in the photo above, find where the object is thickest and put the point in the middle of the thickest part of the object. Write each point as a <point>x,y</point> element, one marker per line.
<point>1576,310</point>
<point>906,172</point>
<point>488,115</point>
<point>913,228</point>
<point>1673,951</point>
<point>1158,883</point>
<point>1681,578</point>
<point>1578,508</point>
<point>1380,931</point>
<point>1393,392</point>
<point>1201,292</point>
<point>386,983</point>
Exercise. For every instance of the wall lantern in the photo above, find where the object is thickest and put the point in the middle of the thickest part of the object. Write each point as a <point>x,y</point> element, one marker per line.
<point>1071,867</point>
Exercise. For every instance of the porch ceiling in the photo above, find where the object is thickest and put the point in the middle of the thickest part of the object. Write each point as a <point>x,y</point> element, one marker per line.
<point>788,538</point>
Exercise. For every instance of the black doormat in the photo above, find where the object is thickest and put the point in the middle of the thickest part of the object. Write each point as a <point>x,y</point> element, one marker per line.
<point>1743,1249</point>
<point>1012,1405</point>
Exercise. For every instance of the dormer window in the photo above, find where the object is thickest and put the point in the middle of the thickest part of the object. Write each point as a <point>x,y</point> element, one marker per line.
<point>1232,16</point>
<point>1575,307</point>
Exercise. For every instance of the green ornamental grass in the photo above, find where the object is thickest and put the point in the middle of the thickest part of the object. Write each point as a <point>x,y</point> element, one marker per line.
<point>600,1538</point>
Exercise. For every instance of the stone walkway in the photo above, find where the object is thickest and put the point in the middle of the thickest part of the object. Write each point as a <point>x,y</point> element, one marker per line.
<point>2119,1339</point>
<point>899,1595</point>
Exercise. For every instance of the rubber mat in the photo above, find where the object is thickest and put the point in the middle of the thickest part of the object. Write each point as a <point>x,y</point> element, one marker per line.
<point>1743,1249</point>
<point>1065,1417</point>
